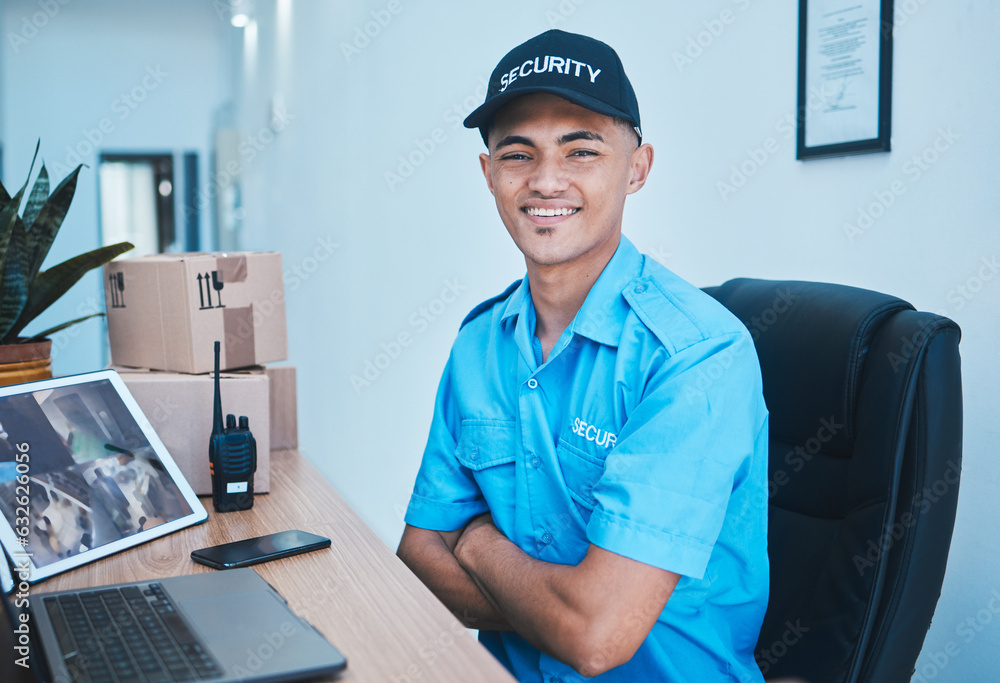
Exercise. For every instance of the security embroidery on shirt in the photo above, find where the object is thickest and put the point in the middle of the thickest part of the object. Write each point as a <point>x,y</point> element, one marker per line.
<point>601,437</point>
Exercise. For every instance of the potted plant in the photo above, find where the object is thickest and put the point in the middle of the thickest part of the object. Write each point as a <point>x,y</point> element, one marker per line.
<point>26,290</point>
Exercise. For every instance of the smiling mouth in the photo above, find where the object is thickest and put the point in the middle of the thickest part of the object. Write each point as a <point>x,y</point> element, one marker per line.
<point>547,213</point>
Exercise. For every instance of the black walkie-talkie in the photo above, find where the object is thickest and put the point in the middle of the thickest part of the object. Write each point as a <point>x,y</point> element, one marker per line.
<point>232,457</point>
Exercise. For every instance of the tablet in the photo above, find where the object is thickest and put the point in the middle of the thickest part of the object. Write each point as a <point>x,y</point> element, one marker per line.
<point>83,475</point>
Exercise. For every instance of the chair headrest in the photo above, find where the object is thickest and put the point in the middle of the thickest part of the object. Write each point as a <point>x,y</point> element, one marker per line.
<point>812,339</point>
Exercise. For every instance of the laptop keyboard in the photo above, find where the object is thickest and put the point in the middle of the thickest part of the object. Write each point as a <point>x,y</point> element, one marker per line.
<point>130,633</point>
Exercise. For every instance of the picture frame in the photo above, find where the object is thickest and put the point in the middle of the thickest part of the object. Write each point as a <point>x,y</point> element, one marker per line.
<point>844,77</point>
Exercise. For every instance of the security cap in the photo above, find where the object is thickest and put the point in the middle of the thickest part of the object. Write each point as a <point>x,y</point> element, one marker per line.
<point>577,68</point>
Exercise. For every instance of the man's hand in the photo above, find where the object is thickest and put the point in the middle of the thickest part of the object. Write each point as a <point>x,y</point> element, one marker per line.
<point>480,530</point>
<point>593,616</point>
<point>475,541</point>
<point>483,520</point>
<point>429,555</point>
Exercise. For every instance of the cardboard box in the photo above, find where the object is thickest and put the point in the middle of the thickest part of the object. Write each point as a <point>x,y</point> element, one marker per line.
<point>284,407</point>
<point>179,407</point>
<point>166,311</point>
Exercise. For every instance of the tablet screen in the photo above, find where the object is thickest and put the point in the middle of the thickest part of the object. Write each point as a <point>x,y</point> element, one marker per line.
<point>82,474</point>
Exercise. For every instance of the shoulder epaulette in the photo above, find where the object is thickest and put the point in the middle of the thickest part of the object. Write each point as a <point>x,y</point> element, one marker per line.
<point>489,303</point>
<point>666,311</point>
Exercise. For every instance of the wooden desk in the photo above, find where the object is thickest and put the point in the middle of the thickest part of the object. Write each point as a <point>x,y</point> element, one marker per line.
<point>357,593</point>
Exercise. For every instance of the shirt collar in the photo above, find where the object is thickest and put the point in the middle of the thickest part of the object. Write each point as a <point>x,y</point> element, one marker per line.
<point>603,313</point>
<point>517,302</point>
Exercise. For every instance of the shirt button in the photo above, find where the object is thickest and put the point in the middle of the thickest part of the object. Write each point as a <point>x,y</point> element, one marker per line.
<point>535,462</point>
<point>474,454</point>
<point>532,383</point>
<point>639,289</point>
<point>546,538</point>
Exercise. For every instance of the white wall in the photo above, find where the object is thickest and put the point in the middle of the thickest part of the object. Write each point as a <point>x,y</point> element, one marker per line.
<point>324,177</point>
<point>63,72</point>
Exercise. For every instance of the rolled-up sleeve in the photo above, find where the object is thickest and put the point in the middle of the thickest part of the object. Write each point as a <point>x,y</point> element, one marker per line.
<point>685,447</point>
<point>445,495</point>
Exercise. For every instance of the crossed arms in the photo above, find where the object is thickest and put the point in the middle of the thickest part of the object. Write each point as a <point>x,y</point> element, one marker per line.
<point>592,616</point>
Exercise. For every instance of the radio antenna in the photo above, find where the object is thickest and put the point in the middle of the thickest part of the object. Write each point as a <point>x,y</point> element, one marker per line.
<point>217,425</point>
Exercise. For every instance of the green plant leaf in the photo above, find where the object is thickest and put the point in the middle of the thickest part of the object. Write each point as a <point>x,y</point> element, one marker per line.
<point>6,222</point>
<point>51,284</point>
<point>62,326</point>
<point>36,200</point>
<point>20,193</point>
<point>12,280</point>
<point>13,262</point>
<point>8,217</point>
<point>50,217</point>
<point>4,197</point>
<point>9,224</point>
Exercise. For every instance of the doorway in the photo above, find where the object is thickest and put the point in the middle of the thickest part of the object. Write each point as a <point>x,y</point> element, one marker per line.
<point>137,201</point>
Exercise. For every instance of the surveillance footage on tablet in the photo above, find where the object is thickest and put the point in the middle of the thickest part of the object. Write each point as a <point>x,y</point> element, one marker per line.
<point>82,474</point>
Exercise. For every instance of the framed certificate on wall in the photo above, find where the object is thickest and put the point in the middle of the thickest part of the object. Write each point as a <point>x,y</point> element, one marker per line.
<point>845,77</point>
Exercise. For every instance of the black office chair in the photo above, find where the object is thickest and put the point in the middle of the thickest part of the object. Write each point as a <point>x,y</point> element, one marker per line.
<point>865,402</point>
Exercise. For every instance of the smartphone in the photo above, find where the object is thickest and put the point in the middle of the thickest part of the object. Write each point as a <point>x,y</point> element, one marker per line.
<point>261,549</point>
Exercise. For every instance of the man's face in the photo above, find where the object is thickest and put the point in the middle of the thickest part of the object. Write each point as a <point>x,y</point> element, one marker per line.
<point>560,174</point>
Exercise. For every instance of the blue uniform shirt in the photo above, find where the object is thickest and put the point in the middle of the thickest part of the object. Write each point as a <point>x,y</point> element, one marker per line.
<point>644,433</point>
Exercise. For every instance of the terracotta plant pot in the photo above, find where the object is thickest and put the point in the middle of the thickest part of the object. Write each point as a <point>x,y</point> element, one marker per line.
<point>25,362</point>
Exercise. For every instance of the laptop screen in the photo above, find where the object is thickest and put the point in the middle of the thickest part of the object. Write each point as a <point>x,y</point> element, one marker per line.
<point>82,474</point>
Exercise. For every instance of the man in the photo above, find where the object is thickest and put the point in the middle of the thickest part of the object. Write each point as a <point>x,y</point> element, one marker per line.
<point>592,497</point>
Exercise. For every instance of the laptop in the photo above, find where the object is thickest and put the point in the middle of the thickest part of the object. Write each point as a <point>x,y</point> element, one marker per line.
<point>83,475</point>
<point>224,627</point>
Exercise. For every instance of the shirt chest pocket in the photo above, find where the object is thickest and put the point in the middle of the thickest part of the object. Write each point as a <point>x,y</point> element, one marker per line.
<point>489,448</point>
<point>486,443</point>
<point>581,471</point>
